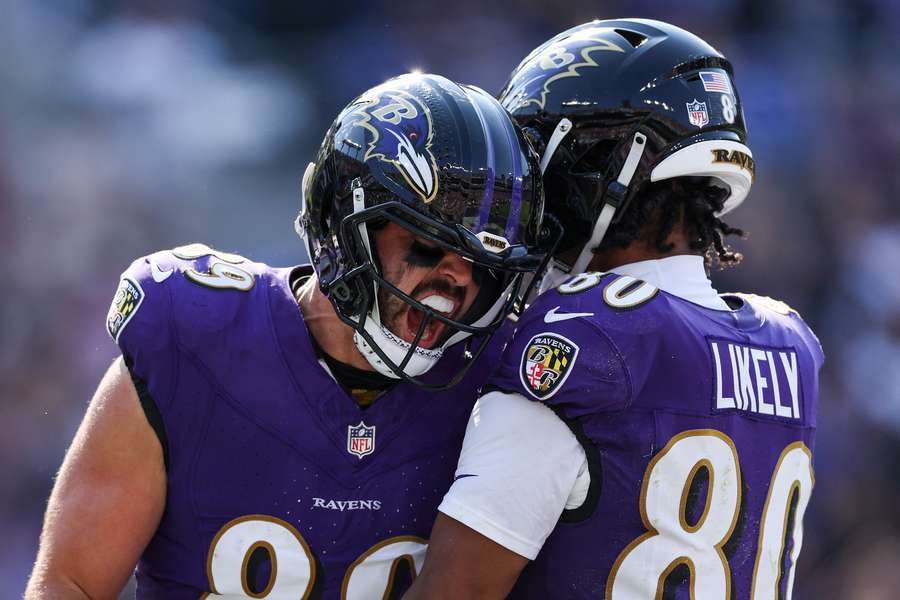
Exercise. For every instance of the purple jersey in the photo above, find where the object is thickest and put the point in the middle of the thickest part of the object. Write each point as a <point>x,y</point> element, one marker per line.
<point>698,425</point>
<point>279,484</point>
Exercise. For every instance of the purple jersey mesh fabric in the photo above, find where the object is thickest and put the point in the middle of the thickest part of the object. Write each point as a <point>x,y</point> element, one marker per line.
<point>259,440</point>
<point>642,371</point>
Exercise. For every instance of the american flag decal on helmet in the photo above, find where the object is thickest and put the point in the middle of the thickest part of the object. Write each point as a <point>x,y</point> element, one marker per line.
<point>714,81</point>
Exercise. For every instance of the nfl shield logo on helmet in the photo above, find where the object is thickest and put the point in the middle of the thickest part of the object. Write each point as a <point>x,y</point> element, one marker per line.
<point>697,113</point>
<point>546,363</point>
<point>360,439</point>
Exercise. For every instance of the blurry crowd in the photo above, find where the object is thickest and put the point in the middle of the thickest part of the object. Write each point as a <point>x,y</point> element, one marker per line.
<point>132,126</point>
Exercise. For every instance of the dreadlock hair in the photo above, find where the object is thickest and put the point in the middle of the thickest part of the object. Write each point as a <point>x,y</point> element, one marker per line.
<point>655,211</point>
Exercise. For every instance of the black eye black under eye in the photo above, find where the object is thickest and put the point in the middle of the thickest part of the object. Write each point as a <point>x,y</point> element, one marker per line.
<point>420,255</point>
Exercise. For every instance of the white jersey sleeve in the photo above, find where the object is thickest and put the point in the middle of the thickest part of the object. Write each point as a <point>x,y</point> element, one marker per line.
<point>519,468</point>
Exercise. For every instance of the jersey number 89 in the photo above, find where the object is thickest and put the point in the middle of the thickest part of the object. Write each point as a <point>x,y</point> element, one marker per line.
<point>293,568</point>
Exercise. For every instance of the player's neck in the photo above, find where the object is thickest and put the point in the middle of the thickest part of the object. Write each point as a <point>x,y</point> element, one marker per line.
<point>639,250</point>
<point>333,336</point>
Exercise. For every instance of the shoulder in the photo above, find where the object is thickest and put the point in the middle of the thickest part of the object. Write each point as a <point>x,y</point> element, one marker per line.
<point>781,315</point>
<point>573,346</point>
<point>614,292</point>
<point>613,305</point>
<point>767,303</point>
<point>603,310</point>
<point>186,316</point>
<point>189,287</point>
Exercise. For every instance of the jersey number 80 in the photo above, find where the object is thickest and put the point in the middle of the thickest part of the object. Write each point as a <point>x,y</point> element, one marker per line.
<point>641,569</point>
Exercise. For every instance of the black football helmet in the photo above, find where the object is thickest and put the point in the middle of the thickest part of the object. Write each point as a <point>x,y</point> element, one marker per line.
<point>447,163</point>
<point>613,105</point>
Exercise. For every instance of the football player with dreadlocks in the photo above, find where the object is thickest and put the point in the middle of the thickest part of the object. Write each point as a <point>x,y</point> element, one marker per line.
<point>288,433</point>
<point>643,436</point>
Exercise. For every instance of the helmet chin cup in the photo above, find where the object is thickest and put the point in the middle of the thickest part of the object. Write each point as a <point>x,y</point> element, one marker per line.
<point>396,351</point>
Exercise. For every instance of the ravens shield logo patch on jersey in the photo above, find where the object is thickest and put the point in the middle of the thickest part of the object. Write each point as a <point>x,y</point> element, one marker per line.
<point>125,303</point>
<point>546,362</point>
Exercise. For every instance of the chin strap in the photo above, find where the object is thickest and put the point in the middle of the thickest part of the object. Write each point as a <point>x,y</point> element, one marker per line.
<point>380,335</point>
<point>359,203</point>
<point>395,349</point>
<point>613,197</point>
<point>557,272</point>
<point>562,129</point>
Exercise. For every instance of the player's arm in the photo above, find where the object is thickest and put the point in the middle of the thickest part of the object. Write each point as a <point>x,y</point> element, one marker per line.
<point>462,563</point>
<point>107,501</point>
<point>520,467</point>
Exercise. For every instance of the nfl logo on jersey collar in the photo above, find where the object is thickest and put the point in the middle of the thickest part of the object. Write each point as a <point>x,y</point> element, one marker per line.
<point>360,439</point>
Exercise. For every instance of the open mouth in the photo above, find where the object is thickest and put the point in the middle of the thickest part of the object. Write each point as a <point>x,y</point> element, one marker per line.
<point>434,328</point>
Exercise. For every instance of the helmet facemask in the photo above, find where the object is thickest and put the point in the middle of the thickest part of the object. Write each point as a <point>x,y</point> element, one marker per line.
<point>500,283</point>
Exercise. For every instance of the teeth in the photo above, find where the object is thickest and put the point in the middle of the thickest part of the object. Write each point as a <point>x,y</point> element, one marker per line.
<point>438,303</point>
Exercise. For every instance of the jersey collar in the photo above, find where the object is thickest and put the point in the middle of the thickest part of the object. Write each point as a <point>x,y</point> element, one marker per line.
<point>683,275</point>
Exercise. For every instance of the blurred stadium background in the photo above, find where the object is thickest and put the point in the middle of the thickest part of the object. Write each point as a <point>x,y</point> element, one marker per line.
<point>131,126</point>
